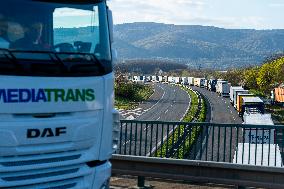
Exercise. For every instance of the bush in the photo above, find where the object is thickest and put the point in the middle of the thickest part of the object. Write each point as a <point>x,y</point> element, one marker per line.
<point>128,95</point>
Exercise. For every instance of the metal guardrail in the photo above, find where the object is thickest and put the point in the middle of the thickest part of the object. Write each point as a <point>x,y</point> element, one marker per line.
<point>199,171</point>
<point>232,143</point>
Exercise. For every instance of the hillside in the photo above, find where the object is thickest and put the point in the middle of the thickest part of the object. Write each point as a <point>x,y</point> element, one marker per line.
<point>198,46</point>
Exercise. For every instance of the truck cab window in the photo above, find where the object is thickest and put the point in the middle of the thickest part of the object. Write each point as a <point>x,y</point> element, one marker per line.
<point>76,30</point>
<point>75,35</point>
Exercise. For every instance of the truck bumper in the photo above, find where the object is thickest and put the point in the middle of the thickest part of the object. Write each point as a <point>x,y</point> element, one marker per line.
<point>79,176</point>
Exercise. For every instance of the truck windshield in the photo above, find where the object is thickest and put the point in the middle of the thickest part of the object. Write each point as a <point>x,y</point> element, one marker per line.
<point>41,32</point>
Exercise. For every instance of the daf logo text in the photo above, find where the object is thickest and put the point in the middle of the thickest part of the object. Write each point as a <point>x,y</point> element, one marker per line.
<point>46,132</point>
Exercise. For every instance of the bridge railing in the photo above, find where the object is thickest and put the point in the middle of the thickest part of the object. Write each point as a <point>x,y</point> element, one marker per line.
<point>260,145</point>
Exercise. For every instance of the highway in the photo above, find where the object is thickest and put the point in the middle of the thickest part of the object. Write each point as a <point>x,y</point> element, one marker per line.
<point>221,112</point>
<point>168,103</point>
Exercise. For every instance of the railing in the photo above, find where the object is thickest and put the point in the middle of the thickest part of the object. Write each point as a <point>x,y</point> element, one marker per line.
<point>232,143</point>
<point>199,171</point>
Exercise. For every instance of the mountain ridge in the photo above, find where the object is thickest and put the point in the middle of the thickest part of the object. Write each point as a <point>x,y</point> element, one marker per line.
<point>195,45</point>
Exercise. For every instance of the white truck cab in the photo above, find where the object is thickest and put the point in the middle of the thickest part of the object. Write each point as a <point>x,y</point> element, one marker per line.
<point>56,94</point>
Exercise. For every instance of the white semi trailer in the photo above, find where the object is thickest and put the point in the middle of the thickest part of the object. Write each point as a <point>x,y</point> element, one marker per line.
<point>235,95</point>
<point>223,88</point>
<point>191,81</point>
<point>258,154</point>
<point>258,147</point>
<point>56,94</point>
<point>232,89</point>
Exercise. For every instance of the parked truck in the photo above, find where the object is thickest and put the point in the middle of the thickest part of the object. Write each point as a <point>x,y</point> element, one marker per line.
<point>222,88</point>
<point>206,83</point>
<point>258,154</point>
<point>236,93</point>
<point>258,136</point>
<point>277,95</point>
<point>251,104</point>
<point>199,82</point>
<point>240,100</point>
<point>184,80</point>
<point>212,85</point>
<point>171,79</point>
<point>232,89</point>
<point>58,125</point>
<point>191,81</point>
<point>258,146</point>
<point>177,80</point>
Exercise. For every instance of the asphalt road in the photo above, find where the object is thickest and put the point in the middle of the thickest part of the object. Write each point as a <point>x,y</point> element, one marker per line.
<point>168,103</point>
<point>220,142</point>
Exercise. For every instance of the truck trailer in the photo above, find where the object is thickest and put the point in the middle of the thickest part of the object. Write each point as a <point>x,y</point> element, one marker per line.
<point>232,89</point>
<point>240,100</point>
<point>191,81</point>
<point>212,85</point>
<point>258,154</point>
<point>277,95</point>
<point>258,147</point>
<point>184,80</point>
<point>258,136</point>
<point>199,82</point>
<point>222,88</point>
<point>236,93</point>
<point>177,80</point>
<point>58,124</point>
<point>254,104</point>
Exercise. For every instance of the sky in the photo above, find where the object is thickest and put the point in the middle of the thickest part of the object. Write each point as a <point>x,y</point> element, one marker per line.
<point>241,14</point>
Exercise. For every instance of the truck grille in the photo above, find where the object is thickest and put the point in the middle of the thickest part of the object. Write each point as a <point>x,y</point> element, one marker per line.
<point>64,184</point>
<point>41,175</point>
<point>48,170</point>
<point>52,178</point>
<point>39,161</point>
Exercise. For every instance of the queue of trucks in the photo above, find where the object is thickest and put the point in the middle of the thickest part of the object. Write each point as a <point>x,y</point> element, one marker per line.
<point>258,146</point>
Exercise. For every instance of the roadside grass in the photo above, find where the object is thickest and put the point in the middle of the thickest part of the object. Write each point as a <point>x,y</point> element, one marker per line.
<point>277,112</point>
<point>193,132</point>
<point>128,96</point>
<point>257,93</point>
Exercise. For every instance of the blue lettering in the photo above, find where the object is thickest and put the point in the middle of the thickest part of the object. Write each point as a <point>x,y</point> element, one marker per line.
<point>24,95</point>
<point>3,95</point>
<point>13,95</point>
<point>41,96</point>
<point>33,95</point>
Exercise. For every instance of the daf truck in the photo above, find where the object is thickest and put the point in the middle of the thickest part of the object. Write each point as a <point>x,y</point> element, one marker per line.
<point>58,122</point>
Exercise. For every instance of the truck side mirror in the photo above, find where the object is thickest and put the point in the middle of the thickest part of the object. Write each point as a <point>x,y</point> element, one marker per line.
<point>110,25</point>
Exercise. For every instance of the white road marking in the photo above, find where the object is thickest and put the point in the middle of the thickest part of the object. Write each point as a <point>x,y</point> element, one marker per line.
<point>166,111</point>
<point>159,99</point>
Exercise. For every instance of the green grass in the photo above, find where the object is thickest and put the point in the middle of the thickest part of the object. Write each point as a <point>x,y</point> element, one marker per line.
<point>277,112</point>
<point>191,138</point>
<point>132,95</point>
<point>257,93</point>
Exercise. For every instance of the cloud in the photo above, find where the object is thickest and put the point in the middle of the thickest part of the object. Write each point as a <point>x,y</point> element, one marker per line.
<point>158,10</point>
<point>179,12</point>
